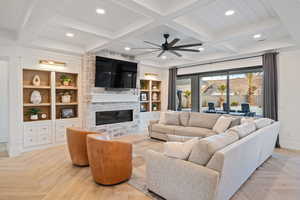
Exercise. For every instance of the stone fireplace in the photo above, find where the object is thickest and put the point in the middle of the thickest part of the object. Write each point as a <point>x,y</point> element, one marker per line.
<point>101,100</point>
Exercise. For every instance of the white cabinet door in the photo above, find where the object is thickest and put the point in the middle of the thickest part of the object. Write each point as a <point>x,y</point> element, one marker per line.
<point>61,126</point>
<point>44,134</point>
<point>37,134</point>
<point>30,136</point>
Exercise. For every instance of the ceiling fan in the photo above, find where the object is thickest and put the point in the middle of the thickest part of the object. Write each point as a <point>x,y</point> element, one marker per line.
<point>169,46</point>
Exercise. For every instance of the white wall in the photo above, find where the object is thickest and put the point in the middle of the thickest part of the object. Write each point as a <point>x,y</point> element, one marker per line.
<point>4,101</point>
<point>289,98</point>
<point>221,66</point>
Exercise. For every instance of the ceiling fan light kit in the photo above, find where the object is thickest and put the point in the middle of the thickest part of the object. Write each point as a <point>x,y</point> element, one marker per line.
<point>169,47</point>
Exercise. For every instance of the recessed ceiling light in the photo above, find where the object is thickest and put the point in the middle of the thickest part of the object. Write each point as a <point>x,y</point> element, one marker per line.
<point>164,57</point>
<point>100,11</point>
<point>229,12</point>
<point>127,48</point>
<point>70,35</point>
<point>201,48</point>
<point>257,36</point>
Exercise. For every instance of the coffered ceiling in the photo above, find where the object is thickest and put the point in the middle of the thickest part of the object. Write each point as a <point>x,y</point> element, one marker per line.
<point>127,23</point>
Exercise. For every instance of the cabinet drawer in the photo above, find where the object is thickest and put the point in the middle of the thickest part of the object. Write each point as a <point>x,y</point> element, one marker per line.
<point>44,139</point>
<point>30,138</point>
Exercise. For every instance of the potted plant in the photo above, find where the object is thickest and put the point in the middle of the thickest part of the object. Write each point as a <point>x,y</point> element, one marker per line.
<point>33,113</point>
<point>187,94</point>
<point>66,96</point>
<point>65,80</point>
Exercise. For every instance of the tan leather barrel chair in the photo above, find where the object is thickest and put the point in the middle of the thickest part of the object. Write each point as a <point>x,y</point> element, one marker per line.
<point>76,139</point>
<point>110,160</point>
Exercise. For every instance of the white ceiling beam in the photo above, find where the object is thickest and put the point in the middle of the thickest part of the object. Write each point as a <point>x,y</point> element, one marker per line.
<point>29,10</point>
<point>80,26</point>
<point>157,20</point>
<point>289,14</point>
<point>39,14</point>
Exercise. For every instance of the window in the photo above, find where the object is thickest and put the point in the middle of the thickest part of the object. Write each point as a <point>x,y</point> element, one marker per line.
<point>237,92</point>
<point>246,88</point>
<point>213,92</point>
<point>184,94</point>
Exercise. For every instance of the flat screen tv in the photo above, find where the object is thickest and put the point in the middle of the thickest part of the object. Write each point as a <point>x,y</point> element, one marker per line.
<point>111,73</point>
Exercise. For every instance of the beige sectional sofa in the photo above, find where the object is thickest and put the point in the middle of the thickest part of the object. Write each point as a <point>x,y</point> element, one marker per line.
<point>217,166</point>
<point>190,124</point>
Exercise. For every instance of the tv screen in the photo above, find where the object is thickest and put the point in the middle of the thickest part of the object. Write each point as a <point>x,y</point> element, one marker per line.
<point>111,73</point>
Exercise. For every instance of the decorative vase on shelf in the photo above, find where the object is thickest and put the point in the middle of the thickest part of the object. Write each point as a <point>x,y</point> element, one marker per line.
<point>154,87</point>
<point>34,117</point>
<point>36,81</point>
<point>36,97</point>
<point>154,108</point>
<point>66,98</point>
<point>154,96</point>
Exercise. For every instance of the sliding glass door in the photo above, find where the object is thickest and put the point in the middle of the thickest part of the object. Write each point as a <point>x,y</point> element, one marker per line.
<point>213,92</point>
<point>183,94</point>
<point>246,91</point>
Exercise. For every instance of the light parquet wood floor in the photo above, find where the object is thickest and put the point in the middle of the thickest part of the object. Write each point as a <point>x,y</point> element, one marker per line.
<point>48,175</point>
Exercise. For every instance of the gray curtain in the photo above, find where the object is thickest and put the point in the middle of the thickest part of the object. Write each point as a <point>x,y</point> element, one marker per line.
<point>172,89</point>
<point>195,93</point>
<point>270,87</point>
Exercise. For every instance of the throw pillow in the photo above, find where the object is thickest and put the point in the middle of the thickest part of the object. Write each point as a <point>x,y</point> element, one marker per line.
<point>245,120</point>
<point>180,150</point>
<point>222,124</point>
<point>162,116</point>
<point>184,118</point>
<point>172,118</point>
<point>203,120</point>
<point>205,148</point>
<point>263,122</point>
<point>243,130</point>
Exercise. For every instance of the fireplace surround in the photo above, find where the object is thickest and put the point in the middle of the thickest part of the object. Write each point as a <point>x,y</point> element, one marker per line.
<point>112,117</point>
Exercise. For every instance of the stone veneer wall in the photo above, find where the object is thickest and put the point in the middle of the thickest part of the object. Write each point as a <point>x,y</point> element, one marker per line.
<point>89,108</point>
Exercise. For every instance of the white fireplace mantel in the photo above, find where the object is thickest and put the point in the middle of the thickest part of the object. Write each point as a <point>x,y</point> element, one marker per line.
<point>113,98</point>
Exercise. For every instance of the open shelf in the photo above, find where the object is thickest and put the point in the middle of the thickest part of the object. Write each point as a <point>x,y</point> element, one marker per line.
<point>36,105</point>
<point>44,89</point>
<point>61,90</point>
<point>150,95</point>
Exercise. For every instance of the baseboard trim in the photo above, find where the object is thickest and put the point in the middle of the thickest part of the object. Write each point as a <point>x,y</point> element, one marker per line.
<point>3,139</point>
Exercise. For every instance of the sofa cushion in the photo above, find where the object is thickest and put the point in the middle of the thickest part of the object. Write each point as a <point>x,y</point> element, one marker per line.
<point>161,128</point>
<point>184,118</point>
<point>194,131</point>
<point>162,117</point>
<point>222,124</point>
<point>205,148</point>
<point>172,118</point>
<point>179,138</point>
<point>180,150</point>
<point>235,122</point>
<point>245,120</point>
<point>243,130</point>
<point>263,122</point>
<point>203,120</point>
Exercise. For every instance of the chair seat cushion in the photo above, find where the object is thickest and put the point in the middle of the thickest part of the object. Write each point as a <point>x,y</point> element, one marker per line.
<point>161,128</point>
<point>194,131</point>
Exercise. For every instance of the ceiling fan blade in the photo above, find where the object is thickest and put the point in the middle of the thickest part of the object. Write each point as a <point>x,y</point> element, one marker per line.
<point>175,53</point>
<point>153,44</point>
<point>145,48</point>
<point>148,52</point>
<point>161,53</point>
<point>190,50</point>
<point>188,45</point>
<point>171,44</point>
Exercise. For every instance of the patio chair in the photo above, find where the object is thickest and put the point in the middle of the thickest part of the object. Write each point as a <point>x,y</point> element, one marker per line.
<point>211,108</point>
